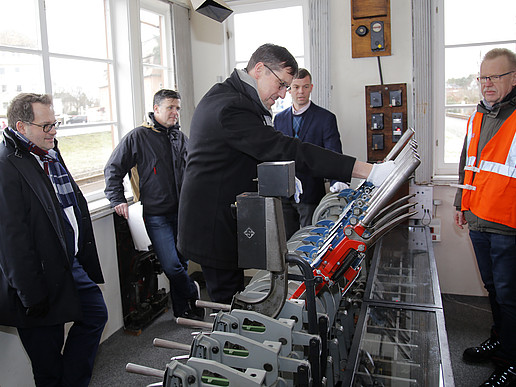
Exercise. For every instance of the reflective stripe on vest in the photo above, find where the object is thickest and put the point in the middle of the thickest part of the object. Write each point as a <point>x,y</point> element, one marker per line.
<point>470,160</point>
<point>494,176</point>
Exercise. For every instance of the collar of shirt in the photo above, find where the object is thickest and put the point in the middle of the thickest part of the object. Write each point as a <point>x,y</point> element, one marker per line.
<point>302,110</point>
<point>245,77</point>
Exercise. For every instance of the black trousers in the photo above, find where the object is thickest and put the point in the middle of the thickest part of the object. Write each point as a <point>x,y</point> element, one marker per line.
<point>223,284</point>
<point>44,344</point>
<point>296,215</point>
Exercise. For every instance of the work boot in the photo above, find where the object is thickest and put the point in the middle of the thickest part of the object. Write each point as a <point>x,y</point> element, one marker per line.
<point>483,352</point>
<point>503,376</point>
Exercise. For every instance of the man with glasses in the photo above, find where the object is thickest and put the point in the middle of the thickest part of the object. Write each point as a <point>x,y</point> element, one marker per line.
<point>230,134</point>
<point>485,201</point>
<point>49,266</point>
<point>316,125</point>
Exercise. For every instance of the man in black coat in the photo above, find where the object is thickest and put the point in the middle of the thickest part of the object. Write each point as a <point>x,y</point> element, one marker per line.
<point>49,266</point>
<point>230,134</point>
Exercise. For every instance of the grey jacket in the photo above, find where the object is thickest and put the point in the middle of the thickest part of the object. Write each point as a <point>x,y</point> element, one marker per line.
<point>492,120</point>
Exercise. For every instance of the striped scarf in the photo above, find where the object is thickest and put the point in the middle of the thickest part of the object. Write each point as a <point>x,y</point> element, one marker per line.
<point>53,168</point>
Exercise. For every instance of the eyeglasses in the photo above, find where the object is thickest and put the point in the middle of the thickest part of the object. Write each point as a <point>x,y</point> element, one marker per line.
<point>47,127</point>
<point>282,84</point>
<point>492,78</point>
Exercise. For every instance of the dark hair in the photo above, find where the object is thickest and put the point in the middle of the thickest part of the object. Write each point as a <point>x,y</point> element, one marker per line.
<point>20,108</point>
<point>164,94</point>
<point>276,57</point>
<point>303,73</point>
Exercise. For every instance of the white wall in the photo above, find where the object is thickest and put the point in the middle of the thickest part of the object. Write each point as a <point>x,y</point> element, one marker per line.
<point>209,61</point>
<point>456,263</point>
<point>350,75</point>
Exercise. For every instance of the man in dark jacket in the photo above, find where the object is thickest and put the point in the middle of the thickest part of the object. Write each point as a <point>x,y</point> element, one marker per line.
<point>49,265</point>
<point>485,201</point>
<point>316,125</point>
<point>155,156</point>
<point>231,133</point>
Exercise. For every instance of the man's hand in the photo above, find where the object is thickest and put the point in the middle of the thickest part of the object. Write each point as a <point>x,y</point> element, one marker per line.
<point>380,171</point>
<point>460,219</point>
<point>299,190</point>
<point>122,210</point>
<point>338,186</point>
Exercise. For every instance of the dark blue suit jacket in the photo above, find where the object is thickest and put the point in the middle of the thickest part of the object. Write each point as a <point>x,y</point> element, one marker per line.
<point>319,127</point>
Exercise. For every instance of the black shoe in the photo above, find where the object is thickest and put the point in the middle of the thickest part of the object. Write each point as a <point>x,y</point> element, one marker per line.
<point>194,312</point>
<point>505,376</point>
<point>481,353</point>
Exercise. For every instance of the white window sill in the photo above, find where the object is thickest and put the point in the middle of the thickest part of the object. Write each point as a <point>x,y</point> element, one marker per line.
<point>445,179</point>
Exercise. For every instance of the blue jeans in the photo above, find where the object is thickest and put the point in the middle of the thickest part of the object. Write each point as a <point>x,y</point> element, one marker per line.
<point>72,367</point>
<point>496,258</point>
<point>162,230</point>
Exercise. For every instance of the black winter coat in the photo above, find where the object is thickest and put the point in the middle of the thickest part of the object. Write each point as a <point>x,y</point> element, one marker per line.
<point>159,157</point>
<point>230,134</point>
<point>33,258</point>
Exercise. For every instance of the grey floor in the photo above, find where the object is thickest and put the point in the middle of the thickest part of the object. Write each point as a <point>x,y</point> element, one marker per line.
<point>468,321</point>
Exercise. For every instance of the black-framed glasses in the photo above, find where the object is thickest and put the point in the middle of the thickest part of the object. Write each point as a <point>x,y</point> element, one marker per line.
<point>47,127</point>
<point>282,84</point>
<point>493,78</point>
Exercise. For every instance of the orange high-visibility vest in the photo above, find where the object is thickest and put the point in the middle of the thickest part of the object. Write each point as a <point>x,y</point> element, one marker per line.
<point>490,182</point>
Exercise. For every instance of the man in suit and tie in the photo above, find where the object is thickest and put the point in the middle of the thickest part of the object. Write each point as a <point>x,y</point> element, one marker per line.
<point>314,124</point>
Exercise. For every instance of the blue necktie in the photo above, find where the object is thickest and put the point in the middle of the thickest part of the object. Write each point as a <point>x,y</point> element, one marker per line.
<point>296,124</point>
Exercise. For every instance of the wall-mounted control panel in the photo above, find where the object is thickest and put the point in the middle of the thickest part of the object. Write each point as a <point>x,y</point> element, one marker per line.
<point>370,28</point>
<point>386,116</point>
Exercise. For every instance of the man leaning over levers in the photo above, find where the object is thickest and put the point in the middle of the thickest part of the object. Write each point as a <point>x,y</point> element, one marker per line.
<point>49,266</point>
<point>230,134</point>
<point>487,203</point>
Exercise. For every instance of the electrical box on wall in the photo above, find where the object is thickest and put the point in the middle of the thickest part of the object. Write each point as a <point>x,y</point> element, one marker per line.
<point>386,115</point>
<point>370,28</point>
<point>424,201</point>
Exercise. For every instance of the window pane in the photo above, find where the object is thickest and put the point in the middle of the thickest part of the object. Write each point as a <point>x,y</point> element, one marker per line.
<point>151,37</point>
<point>247,40</point>
<point>86,154</point>
<point>19,73</point>
<point>462,66</point>
<point>462,88</point>
<point>17,30</point>
<point>82,88</point>
<point>158,71</point>
<point>477,21</point>
<point>77,27</point>
<point>455,123</point>
<point>153,80</point>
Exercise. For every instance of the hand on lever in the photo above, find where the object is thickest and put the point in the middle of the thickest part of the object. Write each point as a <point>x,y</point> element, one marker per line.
<point>338,186</point>
<point>380,172</point>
